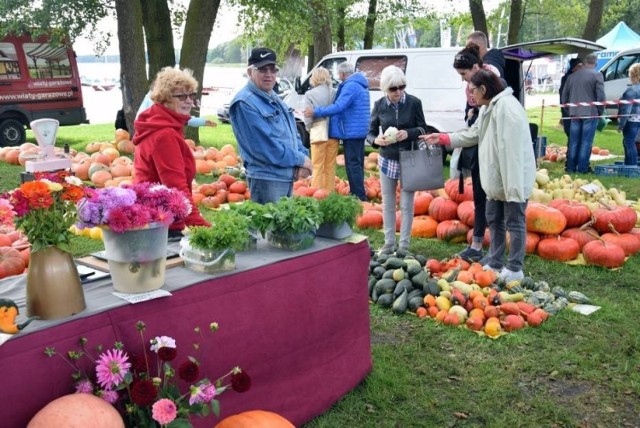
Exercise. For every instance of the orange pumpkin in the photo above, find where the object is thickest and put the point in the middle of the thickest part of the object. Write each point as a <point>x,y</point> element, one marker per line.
<point>255,419</point>
<point>451,187</point>
<point>11,262</point>
<point>76,411</point>
<point>558,248</point>
<point>627,241</point>
<point>544,219</point>
<point>238,187</point>
<point>443,209</point>
<point>370,219</point>
<point>424,226</point>
<point>452,231</point>
<point>621,218</point>
<point>581,235</point>
<point>603,253</point>
<point>421,202</point>
<point>575,212</point>
<point>467,213</point>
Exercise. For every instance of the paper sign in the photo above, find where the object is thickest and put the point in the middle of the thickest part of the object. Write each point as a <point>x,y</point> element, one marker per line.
<point>585,309</point>
<point>590,188</point>
<point>142,297</point>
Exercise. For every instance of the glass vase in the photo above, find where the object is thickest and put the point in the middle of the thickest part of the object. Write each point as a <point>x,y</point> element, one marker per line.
<point>291,241</point>
<point>54,289</point>
<point>137,258</point>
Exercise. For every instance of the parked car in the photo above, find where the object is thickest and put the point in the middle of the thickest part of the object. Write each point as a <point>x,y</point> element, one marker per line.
<point>284,86</point>
<point>432,78</point>
<point>616,75</point>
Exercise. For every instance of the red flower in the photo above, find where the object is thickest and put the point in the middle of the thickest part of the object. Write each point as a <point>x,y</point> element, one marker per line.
<point>167,354</point>
<point>31,188</point>
<point>72,193</point>
<point>240,382</point>
<point>188,371</point>
<point>143,393</point>
<point>40,199</point>
<point>138,364</point>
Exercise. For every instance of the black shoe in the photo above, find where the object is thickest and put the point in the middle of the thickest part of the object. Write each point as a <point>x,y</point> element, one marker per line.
<point>471,255</point>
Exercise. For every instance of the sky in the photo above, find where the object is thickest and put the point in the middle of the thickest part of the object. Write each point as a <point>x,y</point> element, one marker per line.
<point>224,30</point>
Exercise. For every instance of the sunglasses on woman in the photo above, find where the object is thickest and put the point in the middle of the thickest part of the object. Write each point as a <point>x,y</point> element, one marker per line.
<point>183,97</point>
<point>397,88</point>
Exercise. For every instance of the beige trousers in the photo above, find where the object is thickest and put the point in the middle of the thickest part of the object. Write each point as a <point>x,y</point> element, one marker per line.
<point>323,158</point>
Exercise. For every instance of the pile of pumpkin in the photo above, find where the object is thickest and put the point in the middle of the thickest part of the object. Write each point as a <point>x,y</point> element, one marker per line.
<point>604,233</point>
<point>455,292</point>
<point>14,252</point>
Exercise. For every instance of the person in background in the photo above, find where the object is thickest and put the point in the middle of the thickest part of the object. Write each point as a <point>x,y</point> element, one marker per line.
<point>574,65</point>
<point>266,131</point>
<point>507,168</point>
<point>404,112</point>
<point>467,62</point>
<point>493,57</point>
<point>323,153</point>
<point>629,117</point>
<point>161,154</point>
<point>585,85</point>
<point>349,122</point>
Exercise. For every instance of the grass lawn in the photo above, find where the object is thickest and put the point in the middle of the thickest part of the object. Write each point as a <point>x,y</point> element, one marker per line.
<point>573,371</point>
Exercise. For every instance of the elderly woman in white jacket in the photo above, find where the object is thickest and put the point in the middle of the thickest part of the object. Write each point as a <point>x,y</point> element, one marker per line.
<point>507,168</point>
<point>323,153</point>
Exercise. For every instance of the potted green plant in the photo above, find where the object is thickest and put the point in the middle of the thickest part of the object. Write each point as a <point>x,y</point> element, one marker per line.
<point>338,215</point>
<point>213,249</point>
<point>291,223</point>
<point>253,212</point>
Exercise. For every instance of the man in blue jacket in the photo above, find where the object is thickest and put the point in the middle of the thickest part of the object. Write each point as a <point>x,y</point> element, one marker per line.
<point>349,122</point>
<point>268,140</point>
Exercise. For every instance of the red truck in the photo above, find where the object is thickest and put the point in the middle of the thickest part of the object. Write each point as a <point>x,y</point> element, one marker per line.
<point>37,80</point>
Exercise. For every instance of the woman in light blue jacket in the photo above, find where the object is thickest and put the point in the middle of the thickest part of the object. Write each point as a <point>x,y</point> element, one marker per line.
<point>629,117</point>
<point>507,168</point>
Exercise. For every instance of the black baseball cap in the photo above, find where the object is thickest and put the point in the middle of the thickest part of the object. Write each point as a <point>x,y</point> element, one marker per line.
<point>262,56</point>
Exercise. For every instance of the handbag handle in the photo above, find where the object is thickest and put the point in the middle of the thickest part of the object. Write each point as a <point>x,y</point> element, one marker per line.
<point>422,131</point>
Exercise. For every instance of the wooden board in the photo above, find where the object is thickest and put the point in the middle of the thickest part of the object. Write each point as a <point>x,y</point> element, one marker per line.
<point>103,266</point>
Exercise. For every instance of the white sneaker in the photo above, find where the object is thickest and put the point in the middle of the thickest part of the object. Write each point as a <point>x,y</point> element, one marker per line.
<point>507,275</point>
<point>489,267</point>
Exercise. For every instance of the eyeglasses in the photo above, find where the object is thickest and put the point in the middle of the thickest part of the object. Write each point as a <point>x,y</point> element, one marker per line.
<point>183,97</point>
<point>397,88</point>
<point>266,69</point>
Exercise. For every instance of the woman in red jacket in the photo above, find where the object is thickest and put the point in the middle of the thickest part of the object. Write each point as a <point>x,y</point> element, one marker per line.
<point>162,156</point>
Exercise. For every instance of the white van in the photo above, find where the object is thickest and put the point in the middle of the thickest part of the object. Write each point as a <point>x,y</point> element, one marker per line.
<point>616,74</point>
<point>430,77</point>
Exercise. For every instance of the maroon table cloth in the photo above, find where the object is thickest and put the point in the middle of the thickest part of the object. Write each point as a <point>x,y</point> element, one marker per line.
<point>299,327</point>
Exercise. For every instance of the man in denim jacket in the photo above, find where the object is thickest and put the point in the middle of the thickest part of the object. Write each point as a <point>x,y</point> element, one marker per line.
<point>265,128</point>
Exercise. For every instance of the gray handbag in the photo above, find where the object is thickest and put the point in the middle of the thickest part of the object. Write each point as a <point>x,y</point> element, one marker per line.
<point>421,168</point>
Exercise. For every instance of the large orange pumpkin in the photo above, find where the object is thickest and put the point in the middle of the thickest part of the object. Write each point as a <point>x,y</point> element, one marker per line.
<point>11,262</point>
<point>544,219</point>
<point>452,231</point>
<point>575,212</point>
<point>603,253</point>
<point>558,248</point>
<point>620,218</point>
<point>443,209</point>
<point>424,226</point>
<point>370,219</point>
<point>581,235</point>
<point>452,189</point>
<point>255,419</point>
<point>467,213</point>
<point>77,411</point>
<point>421,202</point>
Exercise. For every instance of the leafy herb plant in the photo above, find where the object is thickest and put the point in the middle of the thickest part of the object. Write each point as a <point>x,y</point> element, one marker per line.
<point>338,209</point>
<point>292,215</point>
<point>229,229</point>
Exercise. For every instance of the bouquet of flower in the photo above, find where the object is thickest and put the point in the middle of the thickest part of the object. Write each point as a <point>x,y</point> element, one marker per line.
<point>132,207</point>
<point>144,388</point>
<point>46,207</point>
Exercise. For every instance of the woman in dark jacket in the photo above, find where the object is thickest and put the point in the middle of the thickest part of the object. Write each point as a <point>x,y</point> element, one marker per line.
<point>396,121</point>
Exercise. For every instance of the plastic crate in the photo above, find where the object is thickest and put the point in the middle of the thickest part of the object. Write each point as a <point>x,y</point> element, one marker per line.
<point>610,170</point>
<point>630,171</point>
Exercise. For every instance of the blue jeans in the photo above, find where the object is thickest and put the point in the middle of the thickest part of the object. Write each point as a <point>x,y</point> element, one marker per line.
<point>354,164</point>
<point>264,191</point>
<point>503,216</point>
<point>581,135</point>
<point>629,133</point>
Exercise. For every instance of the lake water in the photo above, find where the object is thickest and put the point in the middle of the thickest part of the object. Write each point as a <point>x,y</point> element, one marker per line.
<point>101,106</point>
